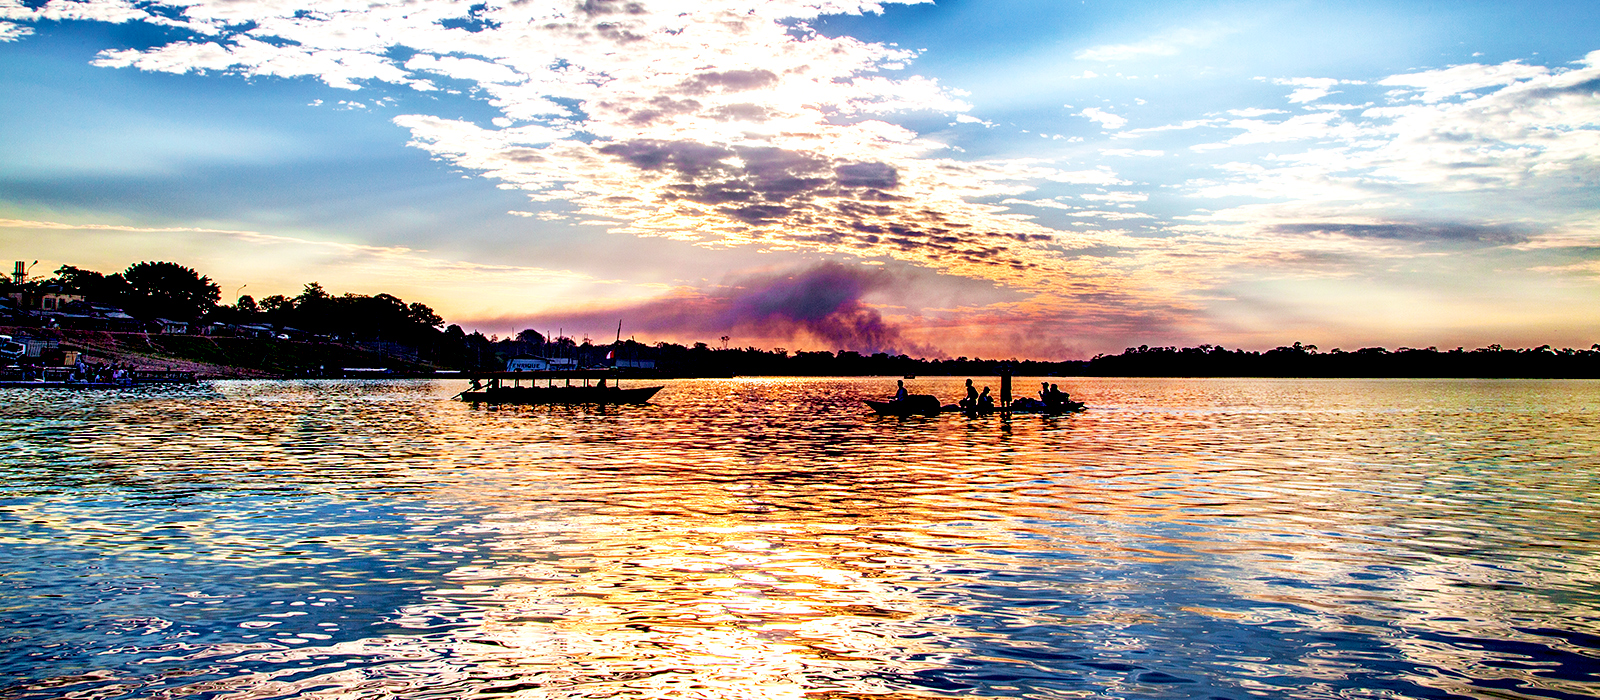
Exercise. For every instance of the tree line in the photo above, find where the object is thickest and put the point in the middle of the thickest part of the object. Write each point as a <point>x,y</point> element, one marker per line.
<point>1301,360</point>
<point>149,291</point>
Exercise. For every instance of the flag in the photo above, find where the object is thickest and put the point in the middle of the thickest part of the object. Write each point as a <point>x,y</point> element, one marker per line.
<point>611,355</point>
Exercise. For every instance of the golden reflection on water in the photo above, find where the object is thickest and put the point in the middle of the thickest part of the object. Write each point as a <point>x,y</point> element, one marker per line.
<point>766,538</point>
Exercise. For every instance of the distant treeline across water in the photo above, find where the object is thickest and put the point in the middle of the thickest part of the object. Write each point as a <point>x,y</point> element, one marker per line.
<point>1296,360</point>
<point>1305,361</point>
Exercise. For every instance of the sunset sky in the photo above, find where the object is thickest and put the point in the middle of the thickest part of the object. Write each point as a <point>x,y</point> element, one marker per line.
<point>1020,178</point>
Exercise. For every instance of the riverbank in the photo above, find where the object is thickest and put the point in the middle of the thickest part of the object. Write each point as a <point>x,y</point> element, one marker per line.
<point>220,357</point>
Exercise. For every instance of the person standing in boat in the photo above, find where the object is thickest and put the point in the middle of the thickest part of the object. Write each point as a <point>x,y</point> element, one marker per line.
<point>900,392</point>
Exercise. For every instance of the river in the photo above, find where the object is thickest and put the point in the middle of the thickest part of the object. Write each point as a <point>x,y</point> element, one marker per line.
<point>769,538</point>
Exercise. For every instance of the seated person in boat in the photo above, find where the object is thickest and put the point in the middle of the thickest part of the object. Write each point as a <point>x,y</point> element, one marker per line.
<point>900,393</point>
<point>1056,398</point>
<point>985,401</point>
<point>971,402</point>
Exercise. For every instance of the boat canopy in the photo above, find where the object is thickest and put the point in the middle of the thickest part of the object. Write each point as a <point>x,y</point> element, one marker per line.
<point>597,373</point>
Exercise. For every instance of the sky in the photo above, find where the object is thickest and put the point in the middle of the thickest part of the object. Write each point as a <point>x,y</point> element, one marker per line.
<point>1008,178</point>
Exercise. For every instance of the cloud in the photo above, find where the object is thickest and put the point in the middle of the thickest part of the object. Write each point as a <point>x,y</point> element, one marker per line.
<point>1540,124</point>
<point>1311,89</point>
<point>1170,44</point>
<point>1104,118</point>
<point>1492,234</point>
<point>821,306</point>
<point>729,81</point>
<point>59,226</point>
<point>1112,215</point>
<point>11,32</point>
<point>807,168</point>
<point>1538,131</point>
<point>1115,197</point>
<point>1254,112</point>
<point>1129,152</point>
<point>464,69</point>
<point>1126,52</point>
<point>1182,126</point>
<point>1436,85</point>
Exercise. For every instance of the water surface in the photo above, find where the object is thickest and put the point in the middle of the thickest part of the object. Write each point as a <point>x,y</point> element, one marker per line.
<point>768,538</point>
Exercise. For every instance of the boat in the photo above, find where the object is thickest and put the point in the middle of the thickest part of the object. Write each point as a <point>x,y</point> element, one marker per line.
<point>90,377</point>
<point>11,350</point>
<point>912,405</point>
<point>927,405</point>
<point>509,388</point>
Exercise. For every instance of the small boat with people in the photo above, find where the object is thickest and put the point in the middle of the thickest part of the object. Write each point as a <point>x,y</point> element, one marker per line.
<point>910,405</point>
<point>1052,401</point>
<point>524,388</point>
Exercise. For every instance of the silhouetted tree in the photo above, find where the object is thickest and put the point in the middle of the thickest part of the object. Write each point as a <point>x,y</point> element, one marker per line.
<point>94,286</point>
<point>168,290</point>
<point>277,304</point>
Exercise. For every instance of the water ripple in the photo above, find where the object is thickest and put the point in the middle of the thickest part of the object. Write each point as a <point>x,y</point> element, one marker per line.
<point>767,538</point>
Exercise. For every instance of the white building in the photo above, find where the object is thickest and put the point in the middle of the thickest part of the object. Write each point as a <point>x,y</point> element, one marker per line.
<point>533,363</point>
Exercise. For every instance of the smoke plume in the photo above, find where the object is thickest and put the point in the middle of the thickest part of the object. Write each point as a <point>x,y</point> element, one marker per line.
<point>820,305</point>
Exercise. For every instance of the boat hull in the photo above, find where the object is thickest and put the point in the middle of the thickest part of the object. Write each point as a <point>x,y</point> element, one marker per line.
<point>561,395</point>
<point>913,405</point>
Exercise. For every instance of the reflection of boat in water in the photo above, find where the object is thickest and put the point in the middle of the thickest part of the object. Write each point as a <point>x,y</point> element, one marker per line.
<point>1040,407</point>
<point>508,387</point>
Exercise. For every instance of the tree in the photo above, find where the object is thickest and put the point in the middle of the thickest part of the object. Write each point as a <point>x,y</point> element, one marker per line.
<point>424,316</point>
<point>246,304</point>
<point>277,304</point>
<point>312,293</point>
<point>92,285</point>
<point>313,310</point>
<point>531,336</point>
<point>168,290</point>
